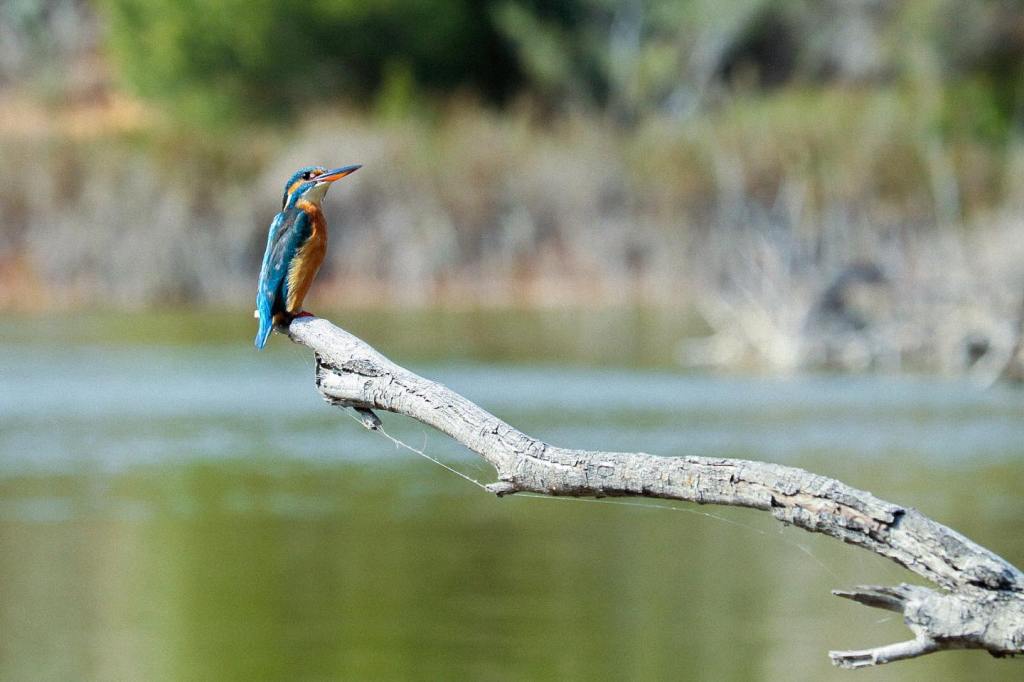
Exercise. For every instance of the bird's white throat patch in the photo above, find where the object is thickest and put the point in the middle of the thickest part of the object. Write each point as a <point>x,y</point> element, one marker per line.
<point>316,194</point>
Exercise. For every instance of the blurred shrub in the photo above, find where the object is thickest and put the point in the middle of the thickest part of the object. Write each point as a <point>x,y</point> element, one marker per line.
<point>638,58</point>
<point>258,57</point>
<point>632,58</point>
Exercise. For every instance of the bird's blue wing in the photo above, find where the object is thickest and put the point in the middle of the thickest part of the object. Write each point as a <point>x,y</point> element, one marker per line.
<point>287,234</point>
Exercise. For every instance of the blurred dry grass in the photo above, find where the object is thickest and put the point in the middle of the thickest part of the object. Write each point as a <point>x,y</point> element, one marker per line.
<point>748,212</point>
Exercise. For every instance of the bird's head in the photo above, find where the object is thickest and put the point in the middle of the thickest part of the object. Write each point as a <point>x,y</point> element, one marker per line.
<point>311,183</point>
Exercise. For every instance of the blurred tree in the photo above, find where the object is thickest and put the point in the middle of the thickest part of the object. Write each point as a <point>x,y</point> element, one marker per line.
<point>637,57</point>
<point>629,58</point>
<point>632,57</point>
<point>982,45</point>
<point>258,57</point>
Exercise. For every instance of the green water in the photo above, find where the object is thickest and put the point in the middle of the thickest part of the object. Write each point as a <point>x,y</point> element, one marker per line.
<point>176,506</point>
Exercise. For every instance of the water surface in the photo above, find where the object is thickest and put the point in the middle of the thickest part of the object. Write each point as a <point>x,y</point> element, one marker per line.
<point>174,505</point>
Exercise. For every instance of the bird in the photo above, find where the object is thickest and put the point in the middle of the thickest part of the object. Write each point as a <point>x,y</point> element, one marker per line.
<point>296,244</point>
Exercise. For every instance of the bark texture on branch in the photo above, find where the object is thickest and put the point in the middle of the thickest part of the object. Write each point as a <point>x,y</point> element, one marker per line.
<point>981,601</point>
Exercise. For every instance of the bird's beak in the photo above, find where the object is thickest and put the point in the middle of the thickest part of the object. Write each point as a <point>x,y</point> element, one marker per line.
<point>337,173</point>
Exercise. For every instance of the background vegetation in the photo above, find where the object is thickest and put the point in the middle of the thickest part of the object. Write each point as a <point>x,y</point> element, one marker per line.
<point>737,157</point>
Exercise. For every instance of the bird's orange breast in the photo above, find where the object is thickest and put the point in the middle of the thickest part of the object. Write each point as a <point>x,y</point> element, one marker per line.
<point>307,261</point>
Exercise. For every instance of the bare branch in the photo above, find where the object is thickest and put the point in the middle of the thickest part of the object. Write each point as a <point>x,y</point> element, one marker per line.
<point>981,604</point>
<point>863,658</point>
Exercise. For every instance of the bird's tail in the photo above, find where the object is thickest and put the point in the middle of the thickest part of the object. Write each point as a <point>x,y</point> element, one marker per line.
<point>266,325</point>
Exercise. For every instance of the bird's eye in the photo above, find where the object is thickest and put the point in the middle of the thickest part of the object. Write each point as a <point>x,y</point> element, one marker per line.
<point>307,175</point>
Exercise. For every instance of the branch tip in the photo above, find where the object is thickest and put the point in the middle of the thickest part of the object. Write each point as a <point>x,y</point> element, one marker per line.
<point>887,598</point>
<point>502,488</point>
<point>865,658</point>
<point>368,418</point>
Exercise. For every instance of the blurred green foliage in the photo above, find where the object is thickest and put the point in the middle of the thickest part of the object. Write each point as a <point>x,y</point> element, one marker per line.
<point>629,59</point>
<point>255,58</point>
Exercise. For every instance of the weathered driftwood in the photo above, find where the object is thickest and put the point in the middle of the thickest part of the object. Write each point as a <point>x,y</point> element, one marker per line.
<point>980,603</point>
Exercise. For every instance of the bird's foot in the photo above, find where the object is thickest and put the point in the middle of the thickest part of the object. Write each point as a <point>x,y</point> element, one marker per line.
<point>304,313</point>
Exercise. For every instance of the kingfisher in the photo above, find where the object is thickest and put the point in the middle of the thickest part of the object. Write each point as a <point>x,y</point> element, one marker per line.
<point>296,245</point>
